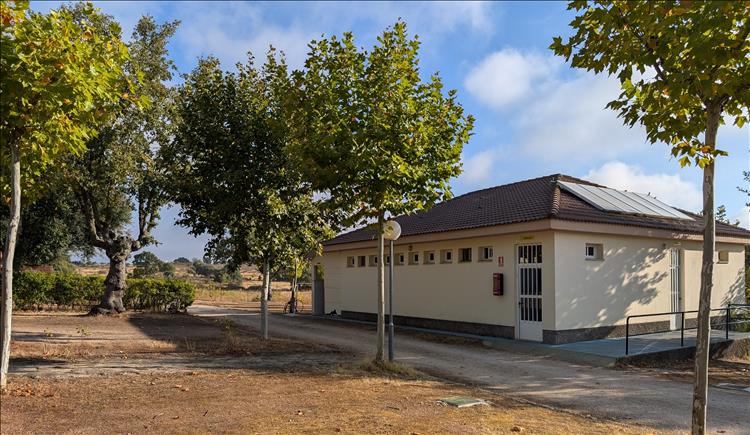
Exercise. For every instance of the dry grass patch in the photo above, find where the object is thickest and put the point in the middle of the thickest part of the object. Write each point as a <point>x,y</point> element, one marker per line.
<point>72,337</point>
<point>241,401</point>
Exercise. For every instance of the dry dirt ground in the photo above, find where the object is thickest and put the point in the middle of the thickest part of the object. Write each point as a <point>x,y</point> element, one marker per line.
<point>279,386</point>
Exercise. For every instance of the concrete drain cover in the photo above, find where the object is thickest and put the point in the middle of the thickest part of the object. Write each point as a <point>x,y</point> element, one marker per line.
<point>736,387</point>
<point>463,402</point>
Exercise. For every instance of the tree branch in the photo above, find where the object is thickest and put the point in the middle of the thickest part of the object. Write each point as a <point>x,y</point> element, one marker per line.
<point>91,220</point>
<point>147,215</point>
<point>661,71</point>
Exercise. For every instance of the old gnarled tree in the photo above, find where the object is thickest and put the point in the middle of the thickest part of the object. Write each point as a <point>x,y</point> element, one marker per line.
<point>118,176</point>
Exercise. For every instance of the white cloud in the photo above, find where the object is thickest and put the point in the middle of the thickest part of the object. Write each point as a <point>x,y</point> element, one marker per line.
<point>570,122</point>
<point>671,189</point>
<point>448,15</point>
<point>229,32</point>
<point>743,217</point>
<point>557,118</point>
<point>509,76</point>
<point>478,168</point>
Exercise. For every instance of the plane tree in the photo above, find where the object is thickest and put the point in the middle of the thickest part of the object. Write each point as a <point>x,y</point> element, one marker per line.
<point>373,137</point>
<point>684,68</point>
<point>60,73</point>
<point>229,172</point>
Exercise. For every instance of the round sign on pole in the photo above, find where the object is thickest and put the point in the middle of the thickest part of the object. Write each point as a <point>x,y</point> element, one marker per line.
<point>392,230</point>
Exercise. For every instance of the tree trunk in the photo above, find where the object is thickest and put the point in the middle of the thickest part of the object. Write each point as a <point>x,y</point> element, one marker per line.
<point>379,358</point>
<point>700,390</point>
<point>269,293</point>
<point>8,254</point>
<point>264,300</point>
<point>293,299</point>
<point>115,283</point>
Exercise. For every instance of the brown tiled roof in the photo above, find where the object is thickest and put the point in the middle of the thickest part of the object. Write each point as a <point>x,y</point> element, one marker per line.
<point>523,201</point>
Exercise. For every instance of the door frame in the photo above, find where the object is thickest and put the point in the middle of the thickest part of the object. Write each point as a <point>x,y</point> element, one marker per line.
<point>676,287</point>
<point>517,292</point>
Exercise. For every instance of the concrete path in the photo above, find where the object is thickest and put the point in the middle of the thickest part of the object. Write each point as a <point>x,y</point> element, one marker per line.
<point>629,397</point>
<point>647,343</point>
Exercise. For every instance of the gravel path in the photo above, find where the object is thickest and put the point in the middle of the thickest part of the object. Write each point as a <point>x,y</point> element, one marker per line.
<point>622,395</point>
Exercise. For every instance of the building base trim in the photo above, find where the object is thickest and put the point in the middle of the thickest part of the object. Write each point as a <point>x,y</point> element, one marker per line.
<point>501,331</point>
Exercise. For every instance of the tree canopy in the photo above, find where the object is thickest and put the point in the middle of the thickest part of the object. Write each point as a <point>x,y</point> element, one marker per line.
<point>370,133</point>
<point>61,71</point>
<point>677,62</point>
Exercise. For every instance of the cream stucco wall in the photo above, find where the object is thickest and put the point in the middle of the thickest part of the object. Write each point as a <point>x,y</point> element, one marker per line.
<point>633,278</point>
<point>456,291</point>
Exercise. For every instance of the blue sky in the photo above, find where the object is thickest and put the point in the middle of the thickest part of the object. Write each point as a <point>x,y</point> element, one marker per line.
<point>534,115</point>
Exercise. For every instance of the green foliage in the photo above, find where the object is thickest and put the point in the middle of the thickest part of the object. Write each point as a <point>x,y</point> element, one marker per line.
<point>228,169</point>
<point>38,290</point>
<point>369,133</point>
<point>148,264</point>
<point>61,75</point>
<point>203,269</point>
<point>169,295</point>
<point>682,66</point>
<point>227,275</point>
<point>721,216</point>
<point>50,227</point>
<point>118,175</point>
<point>182,260</point>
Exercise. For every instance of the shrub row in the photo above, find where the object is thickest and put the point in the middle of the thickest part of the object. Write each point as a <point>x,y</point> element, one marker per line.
<point>39,290</point>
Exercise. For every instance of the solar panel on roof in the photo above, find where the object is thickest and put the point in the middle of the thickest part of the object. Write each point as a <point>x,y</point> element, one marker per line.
<point>605,198</point>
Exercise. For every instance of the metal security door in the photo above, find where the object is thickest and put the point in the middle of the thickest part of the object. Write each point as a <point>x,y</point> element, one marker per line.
<point>674,294</point>
<point>529,281</point>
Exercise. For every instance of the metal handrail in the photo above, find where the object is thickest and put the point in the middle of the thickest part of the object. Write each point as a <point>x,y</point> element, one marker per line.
<point>727,322</point>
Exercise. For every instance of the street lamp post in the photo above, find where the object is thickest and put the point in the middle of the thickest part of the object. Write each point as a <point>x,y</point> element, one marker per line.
<point>390,306</point>
<point>392,233</point>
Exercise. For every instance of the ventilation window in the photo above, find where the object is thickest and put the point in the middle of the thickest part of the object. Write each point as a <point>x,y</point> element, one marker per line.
<point>373,260</point>
<point>350,262</point>
<point>446,256</point>
<point>429,257</point>
<point>723,257</point>
<point>594,251</point>
<point>414,258</point>
<point>486,253</point>
<point>387,260</point>
<point>361,261</point>
<point>464,255</point>
<point>400,259</point>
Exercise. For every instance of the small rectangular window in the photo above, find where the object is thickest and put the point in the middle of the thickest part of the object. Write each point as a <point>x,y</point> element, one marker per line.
<point>429,257</point>
<point>594,251</point>
<point>723,257</point>
<point>446,256</point>
<point>373,260</point>
<point>361,261</point>
<point>464,255</point>
<point>400,259</point>
<point>414,258</point>
<point>486,253</point>
<point>387,260</point>
<point>350,262</point>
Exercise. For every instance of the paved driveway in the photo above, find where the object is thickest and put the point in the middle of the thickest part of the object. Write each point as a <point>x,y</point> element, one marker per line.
<point>630,397</point>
